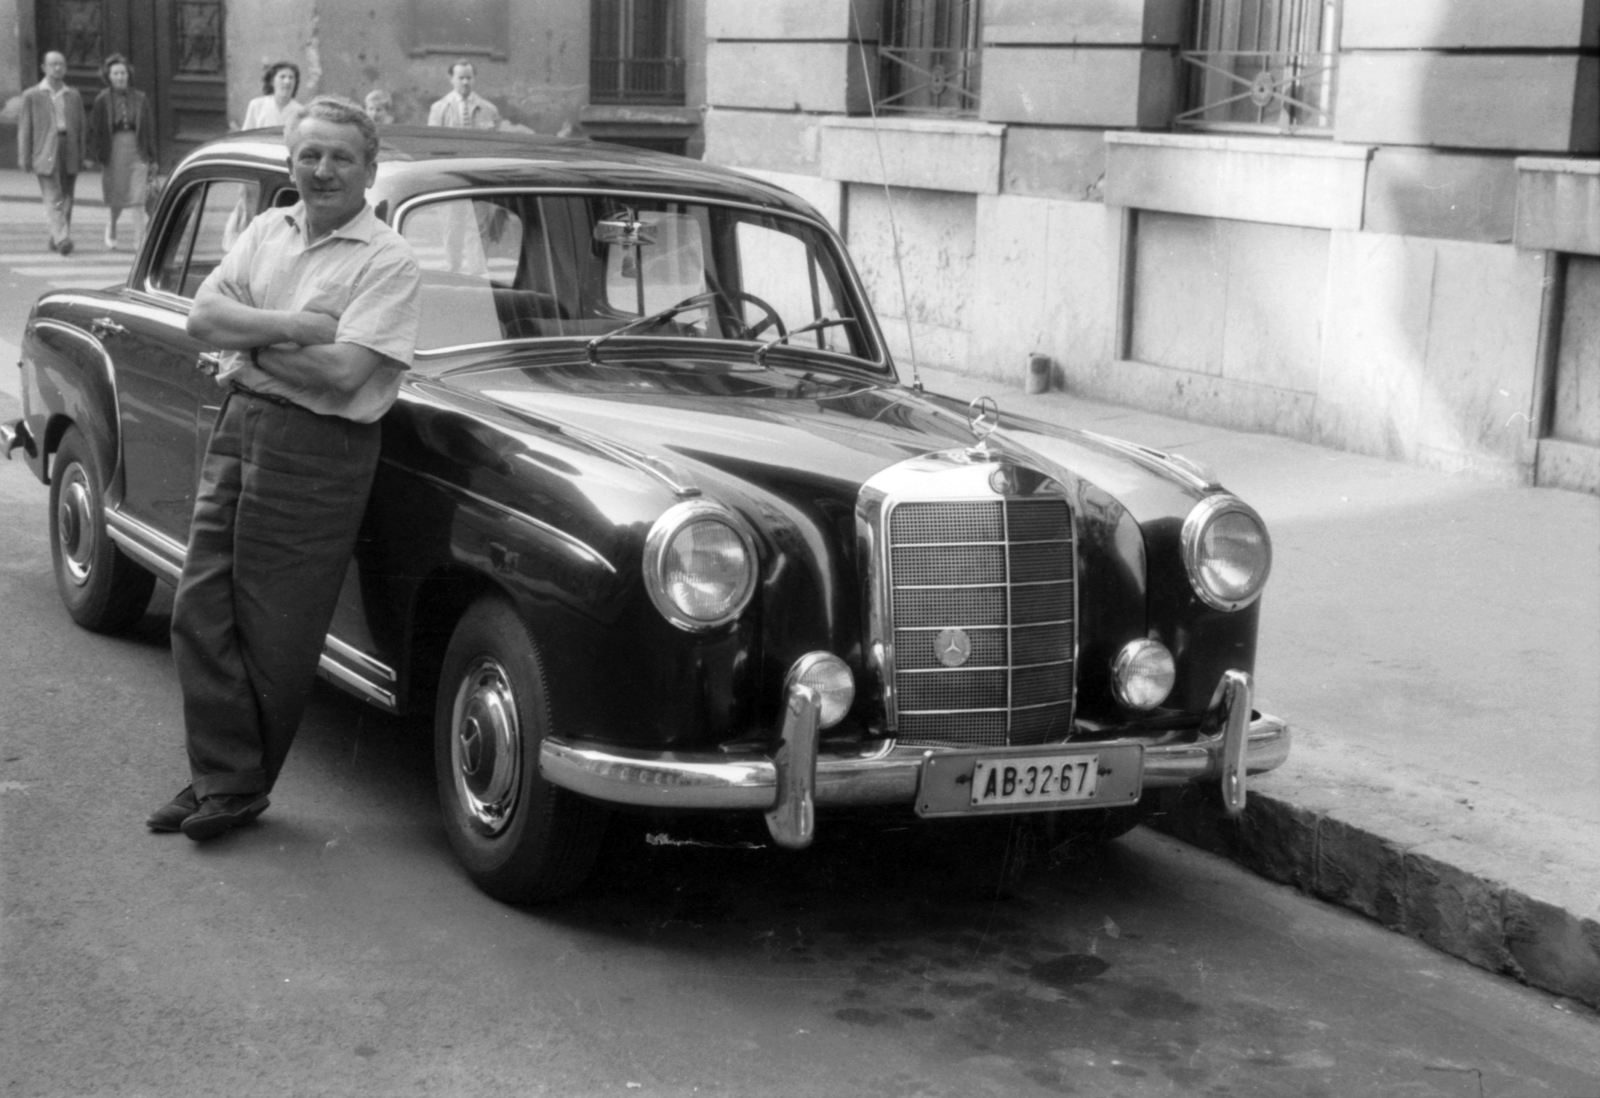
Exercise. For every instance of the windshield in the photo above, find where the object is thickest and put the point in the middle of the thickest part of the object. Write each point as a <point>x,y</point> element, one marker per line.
<point>502,267</point>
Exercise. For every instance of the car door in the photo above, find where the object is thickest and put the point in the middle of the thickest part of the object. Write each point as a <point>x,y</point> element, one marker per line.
<point>168,397</point>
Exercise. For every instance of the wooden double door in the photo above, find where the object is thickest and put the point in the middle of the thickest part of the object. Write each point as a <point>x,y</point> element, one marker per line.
<point>177,48</point>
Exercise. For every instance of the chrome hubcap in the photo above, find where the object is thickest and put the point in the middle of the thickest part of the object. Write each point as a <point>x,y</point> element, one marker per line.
<point>75,525</point>
<point>486,746</point>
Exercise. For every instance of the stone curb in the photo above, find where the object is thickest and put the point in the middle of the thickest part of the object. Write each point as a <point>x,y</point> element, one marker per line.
<point>1458,912</point>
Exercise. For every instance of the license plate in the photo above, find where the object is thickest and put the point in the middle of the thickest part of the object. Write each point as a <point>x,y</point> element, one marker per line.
<point>978,781</point>
<point>1034,779</point>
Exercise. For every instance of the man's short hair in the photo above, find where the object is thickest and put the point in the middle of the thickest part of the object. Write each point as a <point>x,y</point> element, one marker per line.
<point>457,63</point>
<point>344,112</point>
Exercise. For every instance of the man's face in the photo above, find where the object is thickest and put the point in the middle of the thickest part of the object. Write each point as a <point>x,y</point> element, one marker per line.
<point>461,80</point>
<point>55,67</point>
<point>330,170</point>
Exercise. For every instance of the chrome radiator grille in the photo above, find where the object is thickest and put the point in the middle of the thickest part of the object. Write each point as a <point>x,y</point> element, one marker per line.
<point>993,577</point>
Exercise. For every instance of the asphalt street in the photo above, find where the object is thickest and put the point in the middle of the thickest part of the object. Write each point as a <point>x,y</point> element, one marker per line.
<point>336,947</point>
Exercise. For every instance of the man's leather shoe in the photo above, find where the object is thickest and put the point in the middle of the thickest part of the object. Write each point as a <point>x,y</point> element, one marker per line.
<point>170,816</point>
<point>65,248</point>
<point>218,815</point>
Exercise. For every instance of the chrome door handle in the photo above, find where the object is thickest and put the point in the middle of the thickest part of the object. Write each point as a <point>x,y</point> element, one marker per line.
<point>105,327</point>
<point>209,363</point>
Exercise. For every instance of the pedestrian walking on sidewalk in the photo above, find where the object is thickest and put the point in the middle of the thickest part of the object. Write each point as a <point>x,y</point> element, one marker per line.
<point>50,144</point>
<point>316,309</point>
<point>122,137</point>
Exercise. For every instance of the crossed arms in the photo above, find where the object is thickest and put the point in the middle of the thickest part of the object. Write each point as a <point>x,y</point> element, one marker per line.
<point>315,360</point>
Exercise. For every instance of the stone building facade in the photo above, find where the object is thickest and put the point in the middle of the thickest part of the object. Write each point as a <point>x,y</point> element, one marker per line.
<point>1375,226</point>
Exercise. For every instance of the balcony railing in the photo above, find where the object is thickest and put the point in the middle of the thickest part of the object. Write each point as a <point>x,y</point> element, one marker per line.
<point>1260,91</point>
<point>939,81</point>
<point>636,80</point>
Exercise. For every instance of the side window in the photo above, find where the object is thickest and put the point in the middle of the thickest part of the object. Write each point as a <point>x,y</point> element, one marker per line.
<point>166,271</point>
<point>209,218</point>
<point>228,208</point>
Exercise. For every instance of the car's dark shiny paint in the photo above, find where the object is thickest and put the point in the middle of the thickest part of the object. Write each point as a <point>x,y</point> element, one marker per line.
<point>532,472</point>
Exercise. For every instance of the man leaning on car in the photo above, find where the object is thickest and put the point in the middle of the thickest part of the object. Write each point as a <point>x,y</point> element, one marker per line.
<point>318,306</point>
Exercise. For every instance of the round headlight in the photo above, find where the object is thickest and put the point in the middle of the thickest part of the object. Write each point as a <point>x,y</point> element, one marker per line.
<point>1226,552</point>
<point>830,677</point>
<point>700,566</point>
<point>1143,674</point>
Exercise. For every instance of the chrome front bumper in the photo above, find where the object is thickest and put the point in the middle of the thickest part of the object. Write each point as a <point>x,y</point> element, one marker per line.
<point>792,782</point>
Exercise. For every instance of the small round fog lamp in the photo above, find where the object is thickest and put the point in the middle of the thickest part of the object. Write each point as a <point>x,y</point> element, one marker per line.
<point>830,677</point>
<point>1143,674</point>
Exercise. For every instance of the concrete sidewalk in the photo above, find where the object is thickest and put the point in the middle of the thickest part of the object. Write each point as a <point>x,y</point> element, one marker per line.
<point>1435,643</point>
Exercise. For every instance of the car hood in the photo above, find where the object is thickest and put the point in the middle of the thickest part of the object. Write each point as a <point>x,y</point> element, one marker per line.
<point>773,423</point>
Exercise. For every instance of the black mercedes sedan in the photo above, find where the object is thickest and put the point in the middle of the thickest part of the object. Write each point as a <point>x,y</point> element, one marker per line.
<point>659,525</point>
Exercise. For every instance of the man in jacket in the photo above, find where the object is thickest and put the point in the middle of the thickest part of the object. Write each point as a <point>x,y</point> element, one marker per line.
<point>463,106</point>
<point>50,143</point>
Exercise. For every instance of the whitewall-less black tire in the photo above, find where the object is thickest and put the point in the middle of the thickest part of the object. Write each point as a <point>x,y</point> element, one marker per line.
<point>103,589</point>
<point>521,839</point>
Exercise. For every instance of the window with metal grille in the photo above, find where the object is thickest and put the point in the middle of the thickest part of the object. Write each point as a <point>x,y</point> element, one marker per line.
<point>1262,66</point>
<point>929,57</point>
<point>635,52</point>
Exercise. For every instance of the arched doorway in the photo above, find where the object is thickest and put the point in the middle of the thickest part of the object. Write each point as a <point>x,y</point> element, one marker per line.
<point>178,55</point>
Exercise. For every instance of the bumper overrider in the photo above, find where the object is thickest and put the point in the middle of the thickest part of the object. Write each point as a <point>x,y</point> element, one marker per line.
<point>794,780</point>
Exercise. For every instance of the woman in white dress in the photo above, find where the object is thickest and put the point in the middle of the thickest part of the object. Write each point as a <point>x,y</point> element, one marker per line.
<point>277,105</point>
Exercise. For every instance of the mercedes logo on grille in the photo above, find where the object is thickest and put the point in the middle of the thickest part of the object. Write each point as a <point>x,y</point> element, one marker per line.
<point>952,646</point>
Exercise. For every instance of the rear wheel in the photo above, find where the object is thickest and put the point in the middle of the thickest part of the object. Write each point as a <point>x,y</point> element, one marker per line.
<point>103,589</point>
<point>521,839</point>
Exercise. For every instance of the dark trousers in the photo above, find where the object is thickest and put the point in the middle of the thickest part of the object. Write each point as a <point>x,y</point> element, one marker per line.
<point>281,496</point>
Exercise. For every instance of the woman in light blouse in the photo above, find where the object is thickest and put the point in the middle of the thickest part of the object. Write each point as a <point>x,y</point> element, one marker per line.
<point>122,137</point>
<point>276,106</point>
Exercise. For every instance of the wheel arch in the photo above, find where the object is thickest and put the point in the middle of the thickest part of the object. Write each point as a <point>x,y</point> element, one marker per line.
<point>74,388</point>
<point>441,598</point>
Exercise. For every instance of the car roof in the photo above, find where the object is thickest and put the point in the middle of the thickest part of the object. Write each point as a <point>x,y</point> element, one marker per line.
<point>415,160</point>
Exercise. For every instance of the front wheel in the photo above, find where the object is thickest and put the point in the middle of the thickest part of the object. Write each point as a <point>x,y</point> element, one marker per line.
<point>521,839</point>
<point>102,588</point>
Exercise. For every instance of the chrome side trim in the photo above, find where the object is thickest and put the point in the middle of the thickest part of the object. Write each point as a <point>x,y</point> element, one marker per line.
<point>885,776</point>
<point>354,655</point>
<point>342,676</point>
<point>341,663</point>
<point>145,544</point>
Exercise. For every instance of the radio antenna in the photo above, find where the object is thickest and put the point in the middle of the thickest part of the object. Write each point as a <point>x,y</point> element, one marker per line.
<point>888,197</point>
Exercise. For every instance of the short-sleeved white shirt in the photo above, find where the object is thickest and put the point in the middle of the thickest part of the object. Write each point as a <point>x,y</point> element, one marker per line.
<point>363,273</point>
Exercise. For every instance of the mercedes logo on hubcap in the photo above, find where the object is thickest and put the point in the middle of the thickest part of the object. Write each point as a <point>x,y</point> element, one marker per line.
<point>952,646</point>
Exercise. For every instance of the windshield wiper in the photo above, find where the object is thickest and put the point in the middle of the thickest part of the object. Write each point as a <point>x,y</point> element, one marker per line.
<point>647,321</point>
<point>815,326</point>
